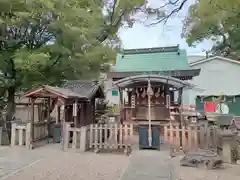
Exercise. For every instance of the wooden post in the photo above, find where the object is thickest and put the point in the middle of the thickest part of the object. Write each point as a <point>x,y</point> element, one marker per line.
<point>121,106</point>
<point>215,138</point>
<point>202,137</point>
<point>196,137</point>
<point>48,117</point>
<point>171,135</point>
<point>32,122</point>
<point>62,123</point>
<point>65,136</point>
<point>74,138</point>
<point>105,136</point>
<point>83,139</point>
<point>28,135</point>
<point>110,142</point>
<point>75,113</point>
<point>82,116</point>
<point>208,134</point>
<point>91,136</point>
<point>20,136</point>
<point>96,136</point>
<point>177,138</point>
<point>100,136</point>
<point>126,136</point>
<point>189,137</point>
<point>58,109</point>
<point>183,138</point>
<point>116,134</point>
<point>121,136</point>
<point>13,135</point>
<point>131,130</point>
<point>165,134</point>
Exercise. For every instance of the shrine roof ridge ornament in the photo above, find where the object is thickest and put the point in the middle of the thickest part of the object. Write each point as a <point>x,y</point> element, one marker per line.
<point>152,50</point>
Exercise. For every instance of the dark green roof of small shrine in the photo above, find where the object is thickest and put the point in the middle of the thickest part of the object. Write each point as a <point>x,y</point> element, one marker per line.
<point>152,59</point>
<point>74,89</point>
<point>87,88</point>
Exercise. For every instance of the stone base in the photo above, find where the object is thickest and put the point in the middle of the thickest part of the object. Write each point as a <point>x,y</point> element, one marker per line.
<point>202,158</point>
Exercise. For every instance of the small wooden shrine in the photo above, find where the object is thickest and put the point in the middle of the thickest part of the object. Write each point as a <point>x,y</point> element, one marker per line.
<point>150,83</point>
<point>153,97</point>
<point>74,103</point>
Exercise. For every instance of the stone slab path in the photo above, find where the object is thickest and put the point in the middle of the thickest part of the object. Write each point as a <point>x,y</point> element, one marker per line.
<point>149,164</point>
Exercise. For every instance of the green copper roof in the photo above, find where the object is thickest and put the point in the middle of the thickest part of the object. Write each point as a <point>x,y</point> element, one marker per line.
<point>154,59</point>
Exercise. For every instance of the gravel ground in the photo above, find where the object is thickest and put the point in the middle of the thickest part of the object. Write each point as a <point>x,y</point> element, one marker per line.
<point>60,165</point>
<point>51,163</point>
<point>13,159</point>
<point>228,172</point>
<point>150,164</point>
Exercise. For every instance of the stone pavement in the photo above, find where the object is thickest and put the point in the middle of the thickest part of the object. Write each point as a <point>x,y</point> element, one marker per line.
<point>49,162</point>
<point>149,164</point>
<point>13,159</point>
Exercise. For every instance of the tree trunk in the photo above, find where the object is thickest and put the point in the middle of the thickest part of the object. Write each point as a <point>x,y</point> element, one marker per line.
<point>10,109</point>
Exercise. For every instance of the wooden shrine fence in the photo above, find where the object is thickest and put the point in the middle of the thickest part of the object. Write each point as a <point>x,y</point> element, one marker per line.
<point>97,136</point>
<point>191,138</point>
<point>21,133</point>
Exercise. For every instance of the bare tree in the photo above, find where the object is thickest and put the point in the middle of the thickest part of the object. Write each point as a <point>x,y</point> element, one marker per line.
<point>175,7</point>
<point>161,14</point>
<point>141,13</point>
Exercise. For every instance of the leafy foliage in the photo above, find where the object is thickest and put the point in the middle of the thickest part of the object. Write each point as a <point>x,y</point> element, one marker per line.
<point>48,41</point>
<point>217,20</point>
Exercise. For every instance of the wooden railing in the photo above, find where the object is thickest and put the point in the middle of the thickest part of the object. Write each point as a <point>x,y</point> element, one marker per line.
<point>75,138</point>
<point>110,136</point>
<point>192,137</point>
<point>97,136</point>
<point>20,135</point>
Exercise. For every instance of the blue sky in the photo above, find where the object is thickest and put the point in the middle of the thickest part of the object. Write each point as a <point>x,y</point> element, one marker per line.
<point>140,36</point>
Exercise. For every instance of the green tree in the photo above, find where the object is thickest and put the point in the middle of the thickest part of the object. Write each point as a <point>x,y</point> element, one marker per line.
<point>47,42</point>
<point>217,20</point>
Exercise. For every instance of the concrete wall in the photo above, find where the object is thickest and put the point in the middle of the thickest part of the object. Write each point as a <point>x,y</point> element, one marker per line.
<point>217,76</point>
<point>108,91</point>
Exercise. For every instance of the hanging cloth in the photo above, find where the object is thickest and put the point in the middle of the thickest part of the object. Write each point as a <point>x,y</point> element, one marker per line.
<point>210,106</point>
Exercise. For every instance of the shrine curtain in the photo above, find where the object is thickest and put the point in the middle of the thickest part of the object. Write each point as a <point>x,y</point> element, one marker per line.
<point>210,106</point>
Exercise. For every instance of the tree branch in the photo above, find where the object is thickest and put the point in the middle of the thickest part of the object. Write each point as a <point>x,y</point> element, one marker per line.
<point>113,10</point>
<point>174,11</point>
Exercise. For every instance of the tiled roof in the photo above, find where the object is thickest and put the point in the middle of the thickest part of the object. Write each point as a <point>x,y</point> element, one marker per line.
<point>65,91</point>
<point>86,88</point>
<point>71,89</point>
<point>153,59</point>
